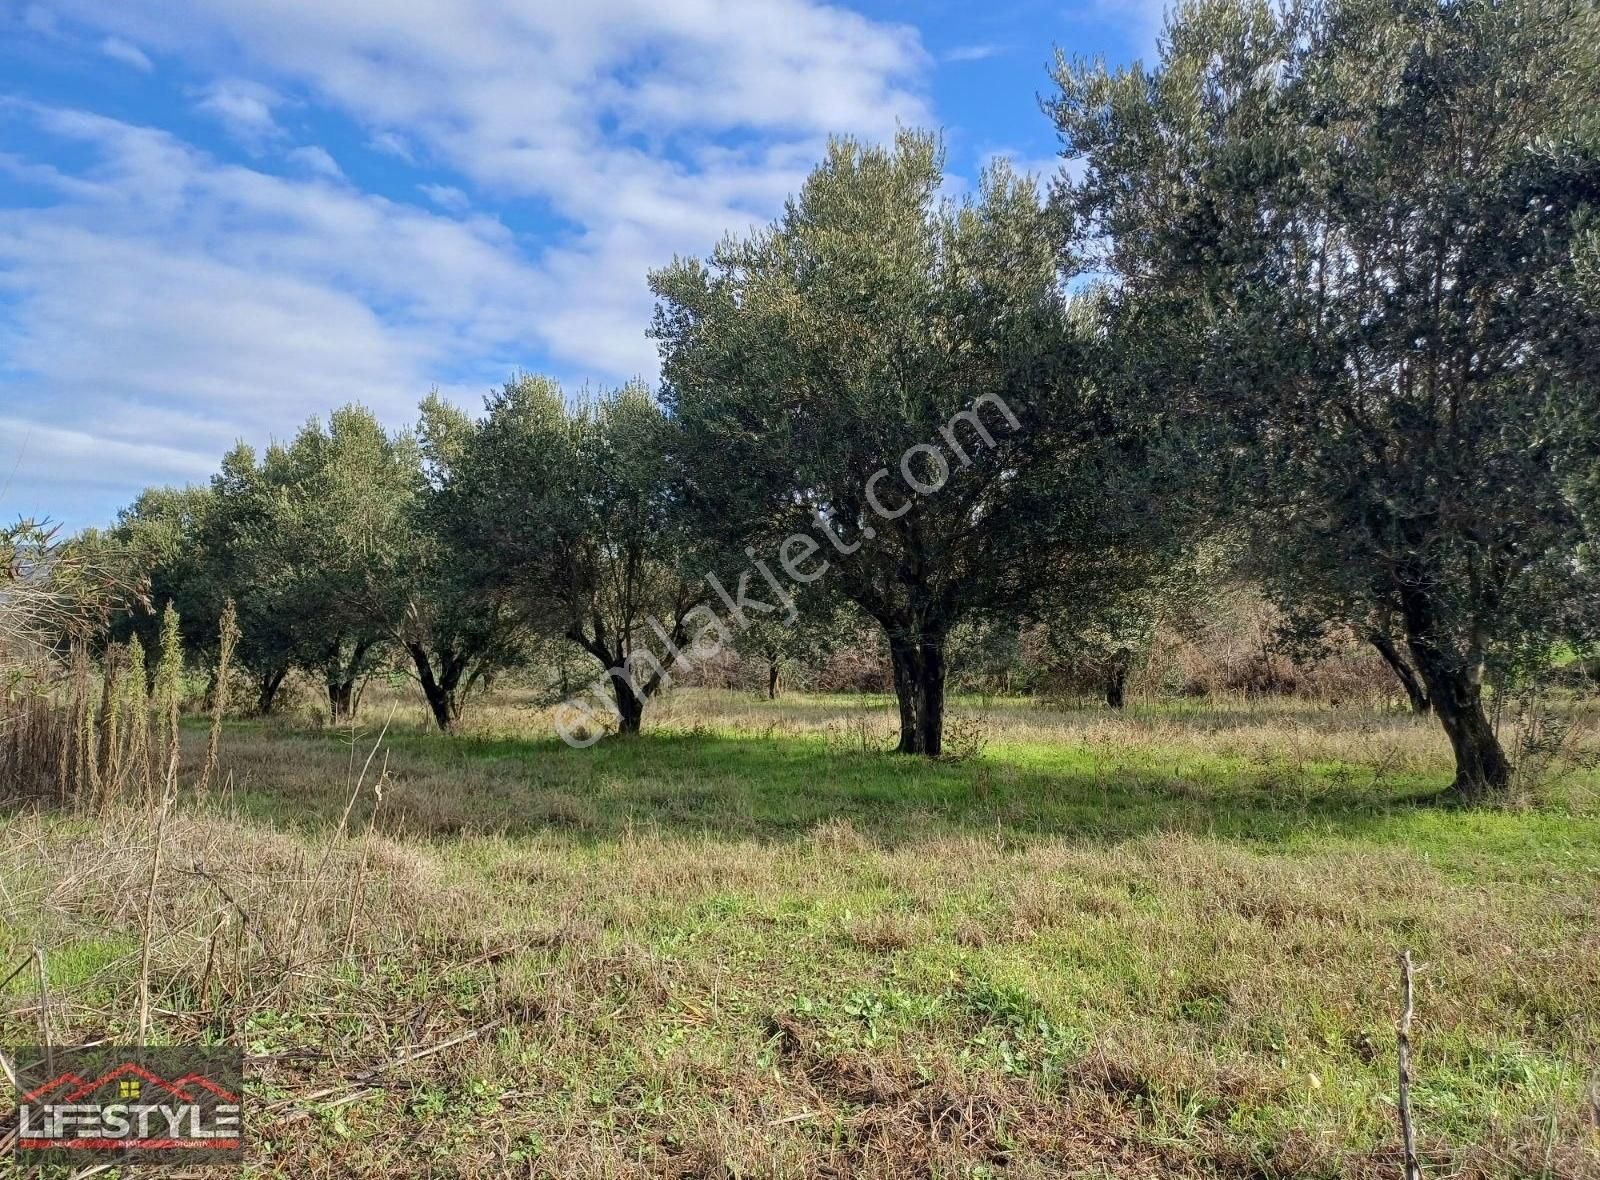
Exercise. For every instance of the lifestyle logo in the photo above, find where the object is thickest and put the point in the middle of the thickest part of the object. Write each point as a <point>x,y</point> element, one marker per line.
<point>128,1105</point>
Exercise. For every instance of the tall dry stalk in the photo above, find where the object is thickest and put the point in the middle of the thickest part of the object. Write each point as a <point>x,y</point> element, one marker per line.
<point>64,757</point>
<point>358,889</point>
<point>169,697</point>
<point>169,691</point>
<point>104,754</point>
<point>312,896</point>
<point>1413,1170</point>
<point>228,633</point>
<point>136,711</point>
<point>31,733</point>
<point>86,730</point>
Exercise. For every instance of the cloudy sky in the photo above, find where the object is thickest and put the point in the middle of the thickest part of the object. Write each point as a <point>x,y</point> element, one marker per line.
<point>221,217</point>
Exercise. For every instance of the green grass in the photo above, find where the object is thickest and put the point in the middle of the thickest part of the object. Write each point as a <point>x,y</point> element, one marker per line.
<point>749,944</point>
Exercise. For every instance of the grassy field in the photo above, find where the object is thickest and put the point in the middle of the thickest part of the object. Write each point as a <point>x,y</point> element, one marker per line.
<point>748,944</point>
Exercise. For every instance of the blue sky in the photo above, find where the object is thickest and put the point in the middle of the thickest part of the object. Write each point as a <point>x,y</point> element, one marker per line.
<point>221,217</point>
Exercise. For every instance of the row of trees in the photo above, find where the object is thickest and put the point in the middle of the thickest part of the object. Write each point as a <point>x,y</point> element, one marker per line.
<point>1320,290</point>
<point>456,545</point>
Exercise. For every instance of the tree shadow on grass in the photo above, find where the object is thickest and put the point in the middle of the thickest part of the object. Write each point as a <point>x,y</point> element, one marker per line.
<point>778,788</point>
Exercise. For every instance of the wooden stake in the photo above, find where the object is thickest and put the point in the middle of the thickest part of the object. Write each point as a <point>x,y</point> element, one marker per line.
<point>1403,1038</point>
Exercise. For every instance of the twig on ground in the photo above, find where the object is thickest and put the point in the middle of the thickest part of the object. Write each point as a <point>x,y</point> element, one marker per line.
<point>44,1008</point>
<point>364,1079</point>
<point>27,962</point>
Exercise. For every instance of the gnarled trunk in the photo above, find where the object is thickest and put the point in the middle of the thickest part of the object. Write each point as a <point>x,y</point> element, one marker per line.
<point>1482,769</point>
<point>635,672</point>
<point>918,661</point>
<point>444,691</point>
<point>341,700</point>
<point>774,678</point>
<point>342,679</point>
<point>1117,681</point>
<point>1456,694</point>
<point>628,693</point>
<point>1416,691</point>
<point>267,686</point>
<point>630,706</point>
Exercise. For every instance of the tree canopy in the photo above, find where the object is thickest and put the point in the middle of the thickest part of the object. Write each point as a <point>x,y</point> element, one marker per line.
<point>1357,239</point>
<point>906,375</point>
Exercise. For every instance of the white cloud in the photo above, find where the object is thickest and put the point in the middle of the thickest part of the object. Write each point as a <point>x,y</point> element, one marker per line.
<point>651,126</point>
<point>244,302</point>
<point>522,95</point>
<point>446,196</point>
<point>392,144</point>
<point>1142,20</point>
<point>965,53</point>
<point>90,457</point>
<point>177,303</point>
<point>316,160</point>
<point>127,53</point>
<point>244,108</point>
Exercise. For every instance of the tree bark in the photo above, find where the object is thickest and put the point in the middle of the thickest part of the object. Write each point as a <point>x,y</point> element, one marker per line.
<point>1482,769</point>
<point>1117,681</point>
<point>919,679</point>
<point>443,692</point>
<point>1416,691</point>
<point>630,707</point>
<point>1456,694</point>
<point>902,660</point>
<point>267,694</point>
<point>774,678</point>
<point>629,689</point>
<point>342,680</point>
<point>341,699</point>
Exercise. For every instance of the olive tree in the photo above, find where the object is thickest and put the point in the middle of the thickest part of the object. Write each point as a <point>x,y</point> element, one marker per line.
<point>568,512</point>
<point>1359,239</point>
<point>901,375</point>
<point>457,627</point>
<point>331,531</point>
<point>159,539</point>
<point>819,626</point>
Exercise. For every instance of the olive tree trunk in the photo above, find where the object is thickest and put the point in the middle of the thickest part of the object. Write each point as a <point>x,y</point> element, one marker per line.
<point>630,706</point>
<point>444,690</point>
<point>267,686</point>
<point>342,678</point>
<point>919,688</point>
<point>1117,681</point>
<point>1416,691</point>
<point>1455,691</point>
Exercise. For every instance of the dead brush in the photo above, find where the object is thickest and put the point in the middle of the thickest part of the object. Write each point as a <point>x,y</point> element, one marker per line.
<point>230,922</point>
<point>1548,748</point>
<point>965,738</point>
<point>77,744</point>
<point>896,1118</point>
<point>887,932</point>
<point>226,928</point>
